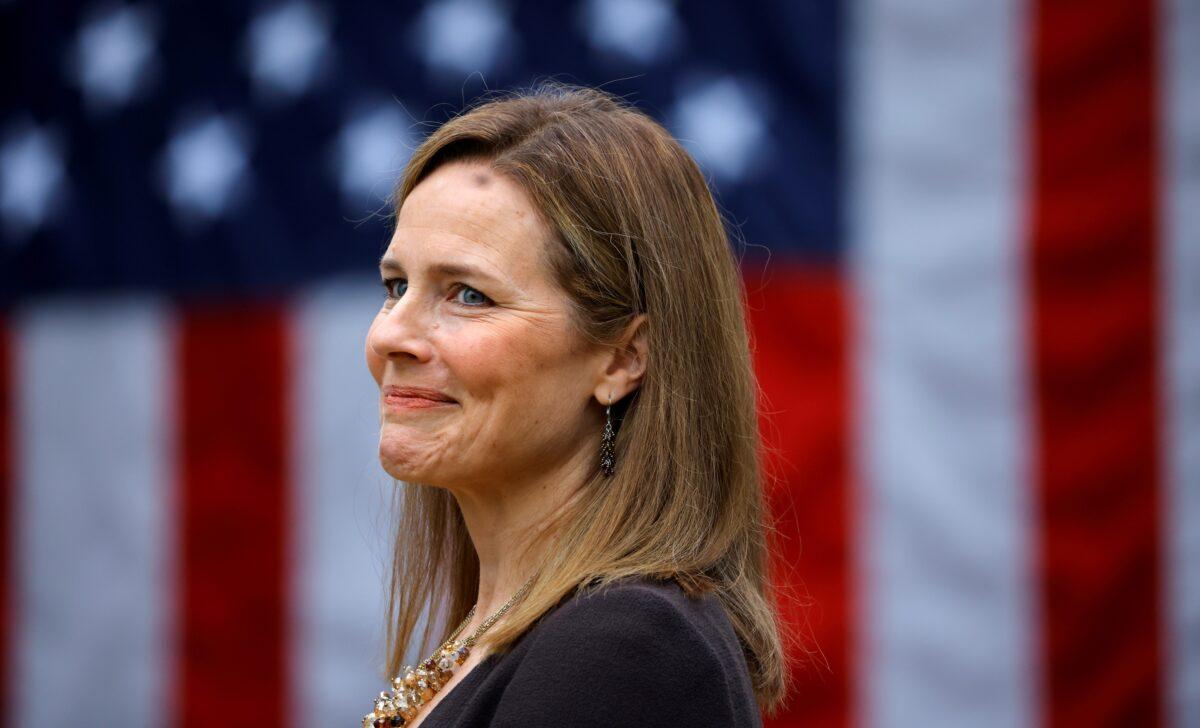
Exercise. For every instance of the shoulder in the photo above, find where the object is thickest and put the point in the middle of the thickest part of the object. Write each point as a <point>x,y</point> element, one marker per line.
<point>635,652</point>
<point>633,617</point>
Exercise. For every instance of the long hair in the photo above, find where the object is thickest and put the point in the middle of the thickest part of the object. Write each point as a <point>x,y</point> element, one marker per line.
<point>637,231</point>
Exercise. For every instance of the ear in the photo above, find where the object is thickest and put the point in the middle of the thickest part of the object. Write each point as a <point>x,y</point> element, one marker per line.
<point>625,363</point>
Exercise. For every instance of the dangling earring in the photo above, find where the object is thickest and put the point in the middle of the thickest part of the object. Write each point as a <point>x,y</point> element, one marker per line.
<point>608,455</point>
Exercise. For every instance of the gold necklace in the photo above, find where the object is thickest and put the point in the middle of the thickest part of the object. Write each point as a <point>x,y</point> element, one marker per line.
<point>419,684</point>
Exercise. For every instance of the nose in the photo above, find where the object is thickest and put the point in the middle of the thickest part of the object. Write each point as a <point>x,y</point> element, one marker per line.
<point>401,332</point>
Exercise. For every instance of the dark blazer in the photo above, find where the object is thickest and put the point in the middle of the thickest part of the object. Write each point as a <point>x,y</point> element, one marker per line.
<point>637,653</point>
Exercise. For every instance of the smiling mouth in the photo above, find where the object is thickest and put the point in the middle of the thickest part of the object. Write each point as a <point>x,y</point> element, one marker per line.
<point>395,401</point>
<point>409,398</point>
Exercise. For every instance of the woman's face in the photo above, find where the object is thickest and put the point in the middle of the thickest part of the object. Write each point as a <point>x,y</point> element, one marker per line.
<point>472,313</point>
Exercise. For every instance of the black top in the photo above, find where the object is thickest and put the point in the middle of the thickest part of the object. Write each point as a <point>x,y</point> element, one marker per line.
<point>636,653</point>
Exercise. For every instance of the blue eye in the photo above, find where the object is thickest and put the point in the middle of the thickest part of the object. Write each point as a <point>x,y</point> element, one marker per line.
<point>472,297</point>
<point>395,287</point>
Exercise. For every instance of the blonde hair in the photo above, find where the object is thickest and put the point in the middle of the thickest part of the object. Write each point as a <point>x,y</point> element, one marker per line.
<point>637,232</point>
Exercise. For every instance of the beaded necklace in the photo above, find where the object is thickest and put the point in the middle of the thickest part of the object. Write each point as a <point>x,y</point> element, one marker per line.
<point>419,684</point>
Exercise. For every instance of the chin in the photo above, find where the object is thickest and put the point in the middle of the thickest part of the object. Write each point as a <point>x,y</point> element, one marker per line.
<point>399,458</point>
<point>405,459</point>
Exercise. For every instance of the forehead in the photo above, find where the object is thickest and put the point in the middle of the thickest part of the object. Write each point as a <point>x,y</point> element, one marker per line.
<point>466,208</point>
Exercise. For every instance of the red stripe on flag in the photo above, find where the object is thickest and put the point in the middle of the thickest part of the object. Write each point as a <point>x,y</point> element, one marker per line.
<point>798,320</point>
<point>233,516</point>
<point>7,526</point>
<point>1094,328</point>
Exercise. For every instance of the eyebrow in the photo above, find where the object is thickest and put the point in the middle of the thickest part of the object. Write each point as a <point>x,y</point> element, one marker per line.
<point>449,270</point>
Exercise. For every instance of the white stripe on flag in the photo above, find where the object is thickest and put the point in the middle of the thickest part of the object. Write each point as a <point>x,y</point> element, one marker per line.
<point>947,613</point>
<point>93,513</point>
<point>1181,328</point>
<point>342,499</point>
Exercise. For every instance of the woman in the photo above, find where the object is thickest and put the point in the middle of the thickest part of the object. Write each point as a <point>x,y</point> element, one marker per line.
<point>566,390</point>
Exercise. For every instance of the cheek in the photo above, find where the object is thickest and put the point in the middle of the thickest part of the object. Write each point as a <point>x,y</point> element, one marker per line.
<point>517,372</point>
<point>479,363</point>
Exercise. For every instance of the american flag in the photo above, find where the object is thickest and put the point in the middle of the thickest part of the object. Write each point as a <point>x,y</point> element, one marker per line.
<point>970,234</point>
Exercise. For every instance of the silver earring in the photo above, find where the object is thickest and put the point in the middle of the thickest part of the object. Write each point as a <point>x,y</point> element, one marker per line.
<point>608,455</point>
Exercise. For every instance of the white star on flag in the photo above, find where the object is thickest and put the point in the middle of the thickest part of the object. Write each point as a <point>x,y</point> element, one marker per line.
<point>286,48</point>
<point>31,179</point>
<point>114,56</point>
<point>640,30</point>
<point>371,150</point>
<point>203,167</point>
<point>721,122</point>
<point>459,37</point>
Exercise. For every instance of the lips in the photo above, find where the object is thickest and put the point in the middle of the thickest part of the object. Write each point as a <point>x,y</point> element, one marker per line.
<point>415,396</point>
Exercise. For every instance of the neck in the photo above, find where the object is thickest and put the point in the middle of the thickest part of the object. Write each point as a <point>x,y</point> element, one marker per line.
<point>504,520</point>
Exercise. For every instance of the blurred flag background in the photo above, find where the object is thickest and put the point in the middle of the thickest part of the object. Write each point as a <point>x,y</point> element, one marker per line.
<point>972,252</point>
